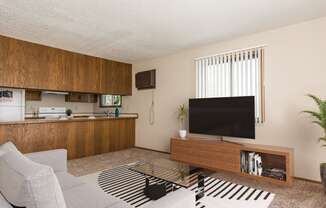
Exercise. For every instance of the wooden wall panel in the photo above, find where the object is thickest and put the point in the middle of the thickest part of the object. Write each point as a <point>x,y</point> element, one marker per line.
<point>83,138</point>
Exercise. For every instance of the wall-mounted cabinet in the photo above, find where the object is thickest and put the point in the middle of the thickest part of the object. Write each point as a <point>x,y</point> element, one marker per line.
<point>33,95</point>
<point>33,66</point>
<point>81,97</point>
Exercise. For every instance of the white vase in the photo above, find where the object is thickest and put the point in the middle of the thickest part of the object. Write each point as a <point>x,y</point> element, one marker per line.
<point>182,134</point>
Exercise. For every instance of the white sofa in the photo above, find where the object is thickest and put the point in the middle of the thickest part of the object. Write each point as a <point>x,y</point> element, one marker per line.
<point>78,194</point>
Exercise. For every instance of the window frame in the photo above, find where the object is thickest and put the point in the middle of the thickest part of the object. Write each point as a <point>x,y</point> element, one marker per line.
<point>109,106</point>
<point>201,73</point>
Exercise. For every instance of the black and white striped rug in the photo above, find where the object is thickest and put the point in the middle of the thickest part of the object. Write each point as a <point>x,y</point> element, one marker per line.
<point>128,185</point>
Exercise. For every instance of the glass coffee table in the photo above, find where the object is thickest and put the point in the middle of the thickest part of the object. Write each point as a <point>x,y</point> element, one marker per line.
<point>178,174</point>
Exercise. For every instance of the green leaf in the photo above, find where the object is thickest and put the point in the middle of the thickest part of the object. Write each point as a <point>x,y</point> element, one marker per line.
<point>322,125</point>
<point>316,99</point>
<point>315,114</point>
<point>182,112</point>
<point>322,139</point>
<point>321,115</point>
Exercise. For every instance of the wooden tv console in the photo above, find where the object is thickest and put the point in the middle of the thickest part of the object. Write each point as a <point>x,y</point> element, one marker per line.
<point>217,155</point>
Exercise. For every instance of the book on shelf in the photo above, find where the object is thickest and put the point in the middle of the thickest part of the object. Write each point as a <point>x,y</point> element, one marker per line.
<point>251,163</point>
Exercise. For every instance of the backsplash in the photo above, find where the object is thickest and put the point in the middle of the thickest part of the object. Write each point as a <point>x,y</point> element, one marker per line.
<point>52,100</point>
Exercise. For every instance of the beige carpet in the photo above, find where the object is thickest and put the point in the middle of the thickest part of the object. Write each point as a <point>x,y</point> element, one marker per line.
<point>303,194</point>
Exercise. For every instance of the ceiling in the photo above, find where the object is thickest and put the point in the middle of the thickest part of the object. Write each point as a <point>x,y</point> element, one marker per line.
<point>132,30</point>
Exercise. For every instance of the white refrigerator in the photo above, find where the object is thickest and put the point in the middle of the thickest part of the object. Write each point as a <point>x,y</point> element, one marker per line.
<point>12,104</point>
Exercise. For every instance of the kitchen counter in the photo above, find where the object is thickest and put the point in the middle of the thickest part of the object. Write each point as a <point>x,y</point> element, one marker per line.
<point>81,137</point>
<point>76,119</point>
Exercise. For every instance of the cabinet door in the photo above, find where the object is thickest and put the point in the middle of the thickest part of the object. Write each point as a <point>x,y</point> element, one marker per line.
<point>116,78</point>
<point>15,134</point>
<point>81,97</point>
<point>126,77</point>
<point>7,76</point>
<point>106,83</point>
<point>46,136</point>
<point>83,73</point>
<point>56,70</point>
<point>80,142</point>
<point>79,75</point>
<point>33,95</point>
<point>102,137</point>
<point>92,72</point>
<point>28,64</point>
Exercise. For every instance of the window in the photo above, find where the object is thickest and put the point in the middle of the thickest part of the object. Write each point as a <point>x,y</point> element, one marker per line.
<point>238,73</point>
<point>110,101</point>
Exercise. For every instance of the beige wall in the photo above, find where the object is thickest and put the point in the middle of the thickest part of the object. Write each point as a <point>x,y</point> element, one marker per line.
<point>295,66</point>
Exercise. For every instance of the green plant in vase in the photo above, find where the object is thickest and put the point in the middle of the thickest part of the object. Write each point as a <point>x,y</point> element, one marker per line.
<point>320,120</point>
<point>182,115</point>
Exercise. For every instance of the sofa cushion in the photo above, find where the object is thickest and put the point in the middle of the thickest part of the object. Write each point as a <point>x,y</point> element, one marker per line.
<point>4,203</point>
<point>86,196</point>
<point>56,159</point>
<point>25,183</point>
<point>68,181</point>
<point>7,147</point>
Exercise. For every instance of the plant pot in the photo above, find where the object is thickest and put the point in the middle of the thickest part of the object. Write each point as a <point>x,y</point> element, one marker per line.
<point>182,134</point>
<point>323,174</point>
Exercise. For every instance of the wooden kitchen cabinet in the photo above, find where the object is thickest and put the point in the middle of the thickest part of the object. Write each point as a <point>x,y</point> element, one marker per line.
<point>33,95</point>
<point>4,69</point>
<point>122,84</point>
<point>81,97</point>
<point>33,66</point>
<point>80,138</point>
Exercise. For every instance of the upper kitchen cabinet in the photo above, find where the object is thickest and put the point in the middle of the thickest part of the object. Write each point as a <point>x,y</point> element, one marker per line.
<point>122,81</point>
<point>33,66</point>
<point>83,73</point>
<point>21,64</point>
<point>4,69</point>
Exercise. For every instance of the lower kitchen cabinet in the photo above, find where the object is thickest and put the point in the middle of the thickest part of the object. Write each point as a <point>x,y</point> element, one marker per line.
<point>80,138</point>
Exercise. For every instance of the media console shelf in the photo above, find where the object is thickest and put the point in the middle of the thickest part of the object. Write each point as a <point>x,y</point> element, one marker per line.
<point>222,155</point>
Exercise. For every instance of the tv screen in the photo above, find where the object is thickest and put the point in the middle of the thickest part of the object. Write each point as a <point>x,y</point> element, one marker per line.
<point>230,116</point>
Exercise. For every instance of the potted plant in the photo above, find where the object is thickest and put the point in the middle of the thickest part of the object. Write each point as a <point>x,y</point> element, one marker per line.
<point>320,117</point>
<point>182,114</point>
<point>68,112</point>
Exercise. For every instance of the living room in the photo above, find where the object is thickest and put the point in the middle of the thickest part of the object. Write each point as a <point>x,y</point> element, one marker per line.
<point>109,95</point>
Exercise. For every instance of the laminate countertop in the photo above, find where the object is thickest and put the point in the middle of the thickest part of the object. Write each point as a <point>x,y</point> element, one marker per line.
<point>75,119</point>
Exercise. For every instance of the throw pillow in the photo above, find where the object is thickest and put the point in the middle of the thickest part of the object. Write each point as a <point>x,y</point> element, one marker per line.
<point>25,183</point>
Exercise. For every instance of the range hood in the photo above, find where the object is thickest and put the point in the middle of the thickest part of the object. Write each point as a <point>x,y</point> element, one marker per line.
<point>55,92</point>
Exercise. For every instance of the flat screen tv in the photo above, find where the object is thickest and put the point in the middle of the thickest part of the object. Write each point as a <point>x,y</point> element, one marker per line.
<point>229,116</point>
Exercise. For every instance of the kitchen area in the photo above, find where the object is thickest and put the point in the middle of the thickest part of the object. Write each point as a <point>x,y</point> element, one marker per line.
<point>19,105</point>
<point>52,98</point>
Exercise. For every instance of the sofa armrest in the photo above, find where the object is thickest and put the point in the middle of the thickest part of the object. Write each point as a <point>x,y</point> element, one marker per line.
<point>57,159</point>
<point>177,199</point>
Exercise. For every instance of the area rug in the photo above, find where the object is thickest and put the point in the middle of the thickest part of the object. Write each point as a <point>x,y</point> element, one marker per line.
<point>128,185</point>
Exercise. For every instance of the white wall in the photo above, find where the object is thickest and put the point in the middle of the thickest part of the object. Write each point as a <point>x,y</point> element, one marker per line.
<point>295,66</point>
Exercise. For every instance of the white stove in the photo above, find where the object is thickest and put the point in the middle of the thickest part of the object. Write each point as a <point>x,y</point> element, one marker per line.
<point>52,112</point>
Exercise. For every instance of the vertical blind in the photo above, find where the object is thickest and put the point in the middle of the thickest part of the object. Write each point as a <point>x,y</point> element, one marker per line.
<point>238,73</point>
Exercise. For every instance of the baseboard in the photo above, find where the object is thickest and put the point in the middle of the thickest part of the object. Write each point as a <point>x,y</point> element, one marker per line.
<point>143,148</point>
<point>308,180</point>
<point>297,178</point>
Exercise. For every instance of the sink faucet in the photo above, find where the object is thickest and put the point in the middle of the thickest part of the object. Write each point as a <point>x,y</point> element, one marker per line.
<point>107,113</point>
